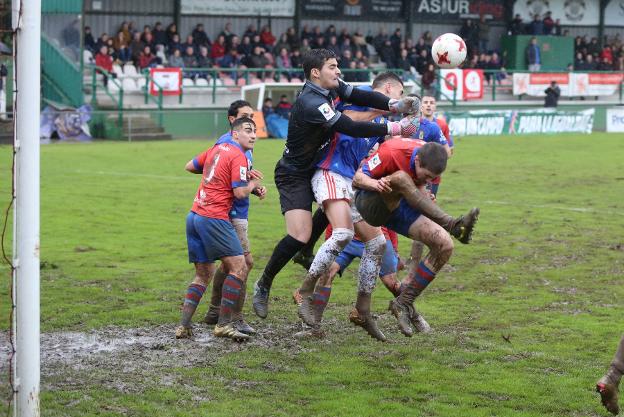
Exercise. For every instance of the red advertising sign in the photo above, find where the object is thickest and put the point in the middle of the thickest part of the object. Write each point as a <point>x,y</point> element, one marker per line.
<point>473,84</point>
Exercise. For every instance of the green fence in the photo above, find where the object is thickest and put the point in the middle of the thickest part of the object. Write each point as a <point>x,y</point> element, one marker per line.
<point>556,52</point>
<point>182,123</point>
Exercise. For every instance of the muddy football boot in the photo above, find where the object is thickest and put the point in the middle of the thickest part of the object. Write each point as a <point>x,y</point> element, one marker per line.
<point>608,394</point>
<point>182,332</point>
<point>310,333</point>
<point>242,326</point>
<point>260,301</point>
<point>303,259</point>
<point>229,330</point>
<point>464,225</point>
<point>306,311</point>
<point>419,323</point>
<point>608,385</point>
<point>212,315</point>
<point>297,297</point>
<point>367,323</point>
<point>404,316</point>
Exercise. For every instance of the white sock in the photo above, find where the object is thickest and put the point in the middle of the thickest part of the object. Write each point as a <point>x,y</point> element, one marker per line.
<point>329,250</point>
<point>370,264</point>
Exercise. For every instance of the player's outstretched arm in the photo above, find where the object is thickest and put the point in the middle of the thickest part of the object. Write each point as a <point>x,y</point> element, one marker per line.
<point>364,116</point>
<point>374,99</point>
<point>406,127</point>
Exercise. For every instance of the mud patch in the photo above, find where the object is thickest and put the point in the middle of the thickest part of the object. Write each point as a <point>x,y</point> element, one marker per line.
<point>119,358</point>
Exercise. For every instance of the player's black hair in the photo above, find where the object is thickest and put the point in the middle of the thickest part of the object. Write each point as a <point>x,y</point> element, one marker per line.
<point>233,109</point>
<point>238,123</point>
<point>315,58</point>
<point>386,77</point>
<point>433,156</point>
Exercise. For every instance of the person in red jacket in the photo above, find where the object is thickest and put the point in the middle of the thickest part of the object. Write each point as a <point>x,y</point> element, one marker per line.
<point>267,38</point>
<point>218,49</point>
<point>104,61</point>
<point>147,58</point>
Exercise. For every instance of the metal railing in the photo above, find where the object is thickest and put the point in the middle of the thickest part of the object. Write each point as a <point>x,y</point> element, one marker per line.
<point>149,97</point>
<point>215,81</point>
<point>110,78</point>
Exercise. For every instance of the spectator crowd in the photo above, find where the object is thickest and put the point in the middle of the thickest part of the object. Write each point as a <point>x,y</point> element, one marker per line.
<point>279,57</point>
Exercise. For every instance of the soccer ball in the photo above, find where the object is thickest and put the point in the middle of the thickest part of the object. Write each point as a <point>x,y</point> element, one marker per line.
<point>448,51</point>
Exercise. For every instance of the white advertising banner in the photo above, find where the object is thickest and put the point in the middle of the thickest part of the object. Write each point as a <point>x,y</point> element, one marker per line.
<point>239,7</point>
<point>614,13</point>
<point>468,82</point>
<point>615,119</point>
<point>452,79</point>
<point>572,84</point>
<point>570,12</point>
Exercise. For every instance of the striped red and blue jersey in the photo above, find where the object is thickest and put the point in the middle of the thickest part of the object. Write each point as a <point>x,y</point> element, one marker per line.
<point>240,207</point>
<point>224,168</point>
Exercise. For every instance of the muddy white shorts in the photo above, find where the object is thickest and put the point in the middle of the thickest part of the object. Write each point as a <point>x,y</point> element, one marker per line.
<point>328,185</point>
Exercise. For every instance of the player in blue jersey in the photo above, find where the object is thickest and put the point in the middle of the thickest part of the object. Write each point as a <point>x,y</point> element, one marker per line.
<point>332,189</point>
<point>239,218</point>
<point>429,108</point>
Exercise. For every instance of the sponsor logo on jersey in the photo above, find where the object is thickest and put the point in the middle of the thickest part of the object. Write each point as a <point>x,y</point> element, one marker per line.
<point>326,111</point>
<point>374,162</point>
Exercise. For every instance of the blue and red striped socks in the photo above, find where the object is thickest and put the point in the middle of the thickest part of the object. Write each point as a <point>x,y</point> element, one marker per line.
<point>194,294</point>
<point>230,296</point>
<point>423,277</point>
<point>320,298</point>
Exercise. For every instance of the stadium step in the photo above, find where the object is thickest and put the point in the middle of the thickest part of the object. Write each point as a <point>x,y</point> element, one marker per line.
<point>148,136</point>
<point>139,126</point>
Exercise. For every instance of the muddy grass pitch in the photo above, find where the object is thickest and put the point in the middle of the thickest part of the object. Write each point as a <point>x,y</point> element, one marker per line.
<point>525,319</point>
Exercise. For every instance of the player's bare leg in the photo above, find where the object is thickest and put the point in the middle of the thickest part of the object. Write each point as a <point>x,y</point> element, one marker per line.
<point>370,264</point>
<point>339,214</point>
<point>298,229</point>
<point>194,293</point>
<point>239,319</point>
<point>212,315</point>
<point>232,298</point>
<point>415,256</point>
<point>391,283</point>
<point>460,228</point>
<point>608,385</point>
<point>440,247</point>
